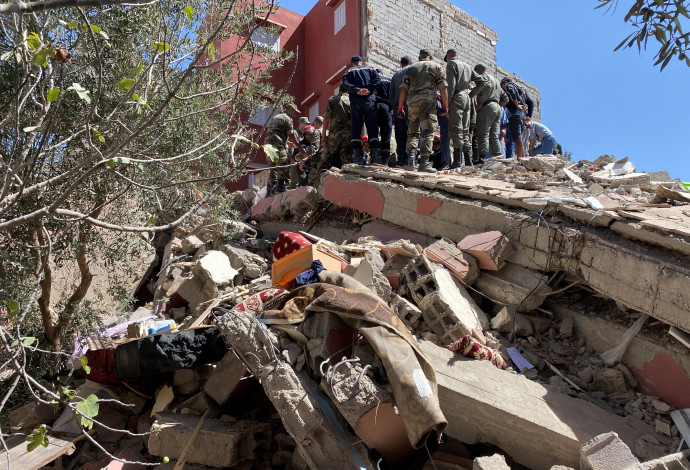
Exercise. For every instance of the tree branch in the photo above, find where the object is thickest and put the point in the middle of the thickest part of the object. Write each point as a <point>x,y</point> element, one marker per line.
<point>18,7</point>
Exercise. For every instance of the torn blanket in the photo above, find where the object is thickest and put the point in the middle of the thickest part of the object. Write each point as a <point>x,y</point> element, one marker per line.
<point>412,377</point>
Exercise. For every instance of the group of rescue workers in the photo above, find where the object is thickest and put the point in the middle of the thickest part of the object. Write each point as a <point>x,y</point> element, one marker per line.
<point>428,106</point>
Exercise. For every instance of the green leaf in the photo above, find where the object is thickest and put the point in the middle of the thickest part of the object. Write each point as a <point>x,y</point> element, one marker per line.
<point>88,409</point>
<point>53,94</point>
<point>37,438</point>
<point>116,160</point>
<point>271,152</point>
<point>126,83</point>
<point>85,364</point>
<point>33,42</point>
<point>14,309</point>
<point>99,31</point>
<point>14,343</point>
<point>28,341</point>
<point>31,128</point>
<point>97,134</point>
<point>211,51</point>
<point>42,57</point>
<point>151,220</point>
<point>82,92</point>
<point>189,11</point>
<point>68,394</point>
<point>73,24</point>
<point>161,46</point>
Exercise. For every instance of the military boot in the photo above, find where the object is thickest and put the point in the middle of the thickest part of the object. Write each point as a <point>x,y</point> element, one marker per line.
<point>411,159</point>
<point>385,157</point>
<point>358,157</point>
<point>468,158</point>
<point>425,166</point>
<point>375,155</point>
<point>279,187</point>
<point>457,159</point>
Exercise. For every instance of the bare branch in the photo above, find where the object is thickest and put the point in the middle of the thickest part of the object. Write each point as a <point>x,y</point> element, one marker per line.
<point>18,6</point>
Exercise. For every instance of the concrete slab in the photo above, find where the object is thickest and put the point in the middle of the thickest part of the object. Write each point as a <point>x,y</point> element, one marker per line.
<point>536,427</point>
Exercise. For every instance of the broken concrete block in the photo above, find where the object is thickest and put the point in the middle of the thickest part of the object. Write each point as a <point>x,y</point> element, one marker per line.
<point>406,311</point>
<point>567,327</point>
<point>478,399</point>
<point>228,373</point>
<point>239,229</point>
<point>448,310</point>
<point>492,462</point>
<point>462,265</point>
<point>544,164</point>
<point>32,415</point>
<point>606,452</point>
<point>630,179</point>
<point>369,409</point>
<point>194,291</point>
<point>301,200</point>
<point>185,382</point>
<point>662,427</point>
<point>217,444</point>
<point>517,287</point>
<point>610,381</point>
<point>251,265</point>
<point>215,267</point>
<point>191,244</point>
<point>648,447</point>
<point>509,321</point>
<point>491,249</point>
<point>678,461</point>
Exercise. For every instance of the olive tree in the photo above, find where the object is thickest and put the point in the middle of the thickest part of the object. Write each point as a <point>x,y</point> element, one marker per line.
<point>662,20</point>
<point>117,119</point>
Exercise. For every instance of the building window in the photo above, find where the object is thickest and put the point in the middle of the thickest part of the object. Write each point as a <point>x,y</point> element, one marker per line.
<point>262,115</point>
<point>262,37</point>
<point>314,111</point>
<point>339,18</point>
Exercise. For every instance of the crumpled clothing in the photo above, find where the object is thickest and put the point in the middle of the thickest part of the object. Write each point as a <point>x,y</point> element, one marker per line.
<point>469,347</point>
<point>410,374</point>
<point>310,276</point>
<point>264,300</point>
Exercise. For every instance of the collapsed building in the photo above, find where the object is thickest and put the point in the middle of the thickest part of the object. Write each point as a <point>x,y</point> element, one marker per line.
<point>513,315</point>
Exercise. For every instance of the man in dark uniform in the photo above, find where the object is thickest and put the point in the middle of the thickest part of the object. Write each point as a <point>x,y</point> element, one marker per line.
<point>278,134</point>
<point>337,129</point>
<point>384,113</point>
<point>361,82</point>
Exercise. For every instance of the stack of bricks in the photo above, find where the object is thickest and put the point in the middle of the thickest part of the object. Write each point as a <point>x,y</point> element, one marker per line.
<point>448,310</point>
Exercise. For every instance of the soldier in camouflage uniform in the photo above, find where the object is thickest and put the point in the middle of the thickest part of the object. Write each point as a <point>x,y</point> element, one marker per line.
<point>419,86</point>
<point>315,152</point>
<point>459,78</point>
<point>337,123</point>
<point>490,98</point>
<point>278,134</point>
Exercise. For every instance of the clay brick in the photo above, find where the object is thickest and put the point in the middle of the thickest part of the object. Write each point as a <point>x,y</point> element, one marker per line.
<point>462,265</point>
<point>491,249</point>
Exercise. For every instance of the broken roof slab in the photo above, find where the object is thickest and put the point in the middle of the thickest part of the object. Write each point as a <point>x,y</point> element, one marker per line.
<point>643,264</point>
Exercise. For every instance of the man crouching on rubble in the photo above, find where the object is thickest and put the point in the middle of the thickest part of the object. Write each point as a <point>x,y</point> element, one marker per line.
<point>279,134</point>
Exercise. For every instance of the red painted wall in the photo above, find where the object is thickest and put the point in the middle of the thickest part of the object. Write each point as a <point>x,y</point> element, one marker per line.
<point>328,52</point>
<point>321,53</point>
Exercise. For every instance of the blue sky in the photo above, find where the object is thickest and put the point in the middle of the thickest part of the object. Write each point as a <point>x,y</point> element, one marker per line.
<point>596,101</point>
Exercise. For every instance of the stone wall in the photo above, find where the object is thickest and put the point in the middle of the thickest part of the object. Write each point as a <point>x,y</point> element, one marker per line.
<point>393,28</point>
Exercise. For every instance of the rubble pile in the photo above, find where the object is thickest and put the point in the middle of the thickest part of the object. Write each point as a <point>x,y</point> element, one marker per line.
<point>293,351</point>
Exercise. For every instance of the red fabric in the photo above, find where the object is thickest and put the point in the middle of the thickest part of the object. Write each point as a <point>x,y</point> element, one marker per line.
<point>264,300</point>
<point>287,243</point>
<point>469,347</point>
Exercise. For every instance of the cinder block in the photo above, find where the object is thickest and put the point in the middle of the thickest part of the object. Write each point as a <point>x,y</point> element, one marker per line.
<point>406,311</point>
<point>447,309</point>
<point>491,462</point>
<point>225,378</point>
<point>218,444</point>
<point>606,452</point>
<point>491,249</point>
